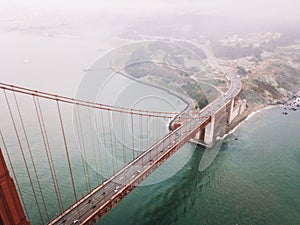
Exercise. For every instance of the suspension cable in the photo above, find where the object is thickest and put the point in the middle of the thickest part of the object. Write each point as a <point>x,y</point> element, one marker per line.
<point>132,136</point>
<point>141,133</point>
<point>111,142</point>
<point>82,102</point>
<point>123,137</point>
<point>99,148</point>
<point>50,154</point>
<point>93,144</point>
<point>67,150</point>
<point>43,132</point>
<point>115,144</point>
<point>148,134</point>
<point>104,140</point>
<point>73,101</point>
<point>31,156</point>
<point>23,155</point>
<point>82,146</point>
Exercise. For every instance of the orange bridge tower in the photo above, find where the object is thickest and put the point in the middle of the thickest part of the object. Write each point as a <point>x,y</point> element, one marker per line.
<point>11,211</point>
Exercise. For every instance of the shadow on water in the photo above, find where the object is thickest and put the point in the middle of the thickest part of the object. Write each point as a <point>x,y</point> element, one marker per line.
<point>165,202</point>
<point>251,181</point>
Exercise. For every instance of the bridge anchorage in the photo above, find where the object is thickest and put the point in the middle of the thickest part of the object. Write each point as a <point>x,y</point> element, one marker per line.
<point>38,169</point>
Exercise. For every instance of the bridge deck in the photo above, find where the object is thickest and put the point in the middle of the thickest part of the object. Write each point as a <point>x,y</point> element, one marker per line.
<point>103,198</point>
<point>98,202</point>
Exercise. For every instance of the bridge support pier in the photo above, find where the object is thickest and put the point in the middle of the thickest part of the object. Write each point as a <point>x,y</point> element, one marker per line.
<point>236,109</point>
<point>11,211</point>
<point>209,131</point>
<point>231,116</point>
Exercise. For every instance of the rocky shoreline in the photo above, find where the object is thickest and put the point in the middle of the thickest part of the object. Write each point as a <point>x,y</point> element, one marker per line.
<point>293,104</point>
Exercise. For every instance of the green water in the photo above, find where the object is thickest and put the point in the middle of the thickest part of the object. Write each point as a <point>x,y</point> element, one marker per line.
<point>254,180</point>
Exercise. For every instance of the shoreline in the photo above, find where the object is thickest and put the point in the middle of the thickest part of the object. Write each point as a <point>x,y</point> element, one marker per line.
<point>250,112</point>
<point>291,104</point>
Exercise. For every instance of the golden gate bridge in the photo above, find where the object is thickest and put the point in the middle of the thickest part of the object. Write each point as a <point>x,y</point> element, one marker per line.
<point>117,141</point>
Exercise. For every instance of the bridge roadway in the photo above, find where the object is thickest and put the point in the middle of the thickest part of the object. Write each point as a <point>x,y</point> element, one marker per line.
<point>99,201</point>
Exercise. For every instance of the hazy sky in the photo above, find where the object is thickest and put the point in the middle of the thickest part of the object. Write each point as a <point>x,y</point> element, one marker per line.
<point>247,8</point>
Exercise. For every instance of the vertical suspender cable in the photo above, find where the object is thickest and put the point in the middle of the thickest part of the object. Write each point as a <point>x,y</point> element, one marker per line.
<point>23,156</point>
<point>66,149</point>
<point>99,150</point>
<point>141,133</point>
<point>157,129</point>
<point>85,165</point>
<point>111,142</point>
<point>157,133</point>
<point>104,140</point>
<point>31,156</point>
<point>43,132</point>
<point>81,150</point>
<point>93,145</point>
<point>115,144</point>
<point>149,134</point>
<point>50,154</point>
<point>132,136</point>
<point>123,138</point>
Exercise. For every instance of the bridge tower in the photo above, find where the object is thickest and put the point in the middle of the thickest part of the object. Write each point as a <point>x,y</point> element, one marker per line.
<point>11,211</point>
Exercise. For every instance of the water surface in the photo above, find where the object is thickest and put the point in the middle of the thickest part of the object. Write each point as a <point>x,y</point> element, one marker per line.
<point>255,179</point>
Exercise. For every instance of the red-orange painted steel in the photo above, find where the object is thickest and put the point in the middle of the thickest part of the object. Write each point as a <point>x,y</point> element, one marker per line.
<point>11,210</point>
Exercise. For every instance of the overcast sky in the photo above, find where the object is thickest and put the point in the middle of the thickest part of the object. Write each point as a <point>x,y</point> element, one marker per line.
<point>246,8</point>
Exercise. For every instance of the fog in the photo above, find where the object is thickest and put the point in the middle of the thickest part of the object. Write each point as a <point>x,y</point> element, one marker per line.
<point>239,8</point>
<point>59,39</point>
